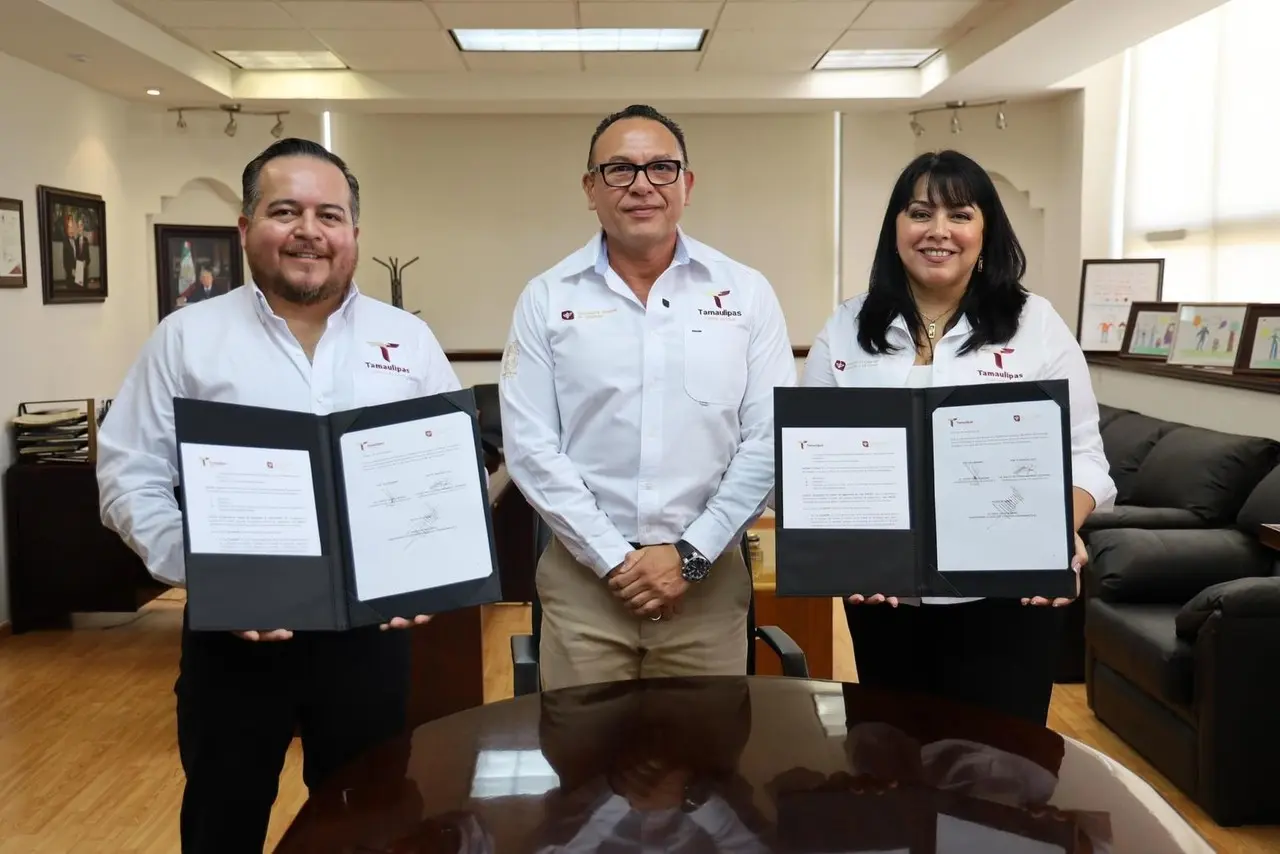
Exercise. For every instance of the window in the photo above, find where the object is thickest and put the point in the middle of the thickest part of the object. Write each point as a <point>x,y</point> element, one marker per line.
<point>1203,183</point>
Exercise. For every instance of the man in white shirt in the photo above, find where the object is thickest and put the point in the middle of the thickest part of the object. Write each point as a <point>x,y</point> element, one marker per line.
<point>637,416</point>
<point>301,337</point>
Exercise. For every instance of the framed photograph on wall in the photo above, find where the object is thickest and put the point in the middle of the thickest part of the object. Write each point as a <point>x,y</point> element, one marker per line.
<point>1208,334</point>
<point>1108,287</point>
<point>73,245</point>
<point>1150,331</point>
<point>13,245</point>
<point>195,263</point>
<point>1260,344</point>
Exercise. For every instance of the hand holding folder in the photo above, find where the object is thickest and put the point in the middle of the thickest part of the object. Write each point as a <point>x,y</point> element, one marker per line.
<point>951,492</point>
<point>307,522</point>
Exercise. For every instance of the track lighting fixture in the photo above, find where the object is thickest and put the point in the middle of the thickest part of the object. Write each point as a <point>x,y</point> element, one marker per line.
<point>233,111</point>
<point>955,107</point>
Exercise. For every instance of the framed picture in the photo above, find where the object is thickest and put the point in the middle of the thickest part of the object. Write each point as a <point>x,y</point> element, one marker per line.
<point>1108,287</point>
<point>13,245</point>
<point>1208,334</point>
<point>1150,330</point>
<point>195,263</point>
<point>1260,345</point>
<point>73,245</point>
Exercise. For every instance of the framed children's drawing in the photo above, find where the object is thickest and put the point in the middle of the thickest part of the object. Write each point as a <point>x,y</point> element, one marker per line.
<point>1108,287</point>
<point>1150,331</point>
<point>1208,334</point>
<point>1260,346</point>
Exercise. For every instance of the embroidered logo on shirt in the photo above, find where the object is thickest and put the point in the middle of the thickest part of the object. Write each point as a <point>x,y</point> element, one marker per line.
<point>510,360</point>
<point>719,310</point>
<point>385,348</point>
<point>840,365</point>
<point>1000,373</point>
<point>566,315</point>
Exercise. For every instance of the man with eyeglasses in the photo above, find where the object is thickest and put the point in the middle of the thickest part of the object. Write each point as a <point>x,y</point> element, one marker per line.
<point>637,415</point>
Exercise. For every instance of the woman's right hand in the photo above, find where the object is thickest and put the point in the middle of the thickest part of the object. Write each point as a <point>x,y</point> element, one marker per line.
<point>874,599</point>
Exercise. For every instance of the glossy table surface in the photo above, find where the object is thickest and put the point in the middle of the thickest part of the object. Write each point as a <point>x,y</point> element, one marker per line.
<point>746,764</point>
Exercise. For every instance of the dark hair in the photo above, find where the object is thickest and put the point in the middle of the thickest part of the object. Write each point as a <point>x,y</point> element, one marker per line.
<point>293,147</point>
<point>995,296</point>
<point>637,111</point>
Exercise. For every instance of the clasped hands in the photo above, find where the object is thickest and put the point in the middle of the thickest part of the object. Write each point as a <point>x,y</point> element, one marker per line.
<point>1077,563</point>
<point>649,581</point>
<point>285,634</point>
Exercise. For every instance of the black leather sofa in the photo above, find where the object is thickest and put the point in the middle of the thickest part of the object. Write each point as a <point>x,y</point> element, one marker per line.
<point>1182,625</point>
<point>1168,476</point>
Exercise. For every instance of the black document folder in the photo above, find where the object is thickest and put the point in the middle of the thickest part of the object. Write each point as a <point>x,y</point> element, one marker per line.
<point>308,580</point>
<point>898,559</point>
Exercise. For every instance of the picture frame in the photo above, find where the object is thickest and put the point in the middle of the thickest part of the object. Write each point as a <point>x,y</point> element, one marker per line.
<point>1259,353</point>
<point>194,263</point>
<point>72,270</point>
<point>13,244</point>
<point>1208,334</point>
<point>1108,287</point>
<point>1150,331</point>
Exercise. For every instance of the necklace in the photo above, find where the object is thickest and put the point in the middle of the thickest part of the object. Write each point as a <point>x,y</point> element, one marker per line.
<point>932,329</point>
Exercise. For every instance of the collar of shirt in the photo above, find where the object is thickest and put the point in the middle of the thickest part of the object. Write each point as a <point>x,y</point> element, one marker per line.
<point>268,315</point>
<point>598,252</point>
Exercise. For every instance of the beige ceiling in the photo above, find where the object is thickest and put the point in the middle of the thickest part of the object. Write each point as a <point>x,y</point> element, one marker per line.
<point>758,55</point>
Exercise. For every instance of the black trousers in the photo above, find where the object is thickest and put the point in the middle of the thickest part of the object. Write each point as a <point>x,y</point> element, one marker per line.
<point>241,702</point>
<point>996,654</point>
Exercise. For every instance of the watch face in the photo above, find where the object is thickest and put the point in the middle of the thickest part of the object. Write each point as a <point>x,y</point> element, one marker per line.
<point>696,569</point>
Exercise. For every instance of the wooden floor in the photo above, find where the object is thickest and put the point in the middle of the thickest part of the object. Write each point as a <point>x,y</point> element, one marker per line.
<point>88,749</point>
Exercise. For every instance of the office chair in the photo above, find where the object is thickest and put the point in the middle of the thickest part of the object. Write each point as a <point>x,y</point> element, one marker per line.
<point>524,648</point>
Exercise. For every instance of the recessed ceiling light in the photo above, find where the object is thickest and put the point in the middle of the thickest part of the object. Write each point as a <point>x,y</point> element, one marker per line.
<point>586,40</point>
<point>153,92</point>
<point>281,60</point>
<point>847,59</point>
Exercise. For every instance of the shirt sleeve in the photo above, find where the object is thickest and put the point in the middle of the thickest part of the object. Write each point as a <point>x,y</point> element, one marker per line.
<point>1090,470</point>
<point>531,442</point>
<point>817,366</point>
<point>137,462</point>
<point>438,375</point>
<point>748,481</point>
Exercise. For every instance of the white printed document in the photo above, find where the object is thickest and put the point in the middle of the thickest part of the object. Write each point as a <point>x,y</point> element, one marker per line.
<point>249,501</point>
<point>415,506</point>
<point>999,487</point>
<point>847,478</point>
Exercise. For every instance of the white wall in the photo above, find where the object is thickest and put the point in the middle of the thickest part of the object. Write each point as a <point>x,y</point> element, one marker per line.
<point>134,159</point>
<point>489,202</point>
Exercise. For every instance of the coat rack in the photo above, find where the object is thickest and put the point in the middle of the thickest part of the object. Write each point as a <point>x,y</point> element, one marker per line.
<point>397,282</point>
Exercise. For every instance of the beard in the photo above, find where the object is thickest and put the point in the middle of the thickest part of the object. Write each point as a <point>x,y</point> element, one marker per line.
<point>277,283</point>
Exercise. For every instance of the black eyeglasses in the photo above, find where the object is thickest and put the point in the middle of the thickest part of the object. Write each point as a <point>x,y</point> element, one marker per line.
<point>659,172</point>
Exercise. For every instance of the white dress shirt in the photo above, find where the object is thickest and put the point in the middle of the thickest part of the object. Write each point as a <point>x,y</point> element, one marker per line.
<point>235,349</point>
<point>1042,348</point>
<point>626,424</point>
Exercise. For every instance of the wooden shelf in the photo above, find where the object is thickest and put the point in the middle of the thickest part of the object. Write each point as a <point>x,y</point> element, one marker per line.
<point>1211,376</point>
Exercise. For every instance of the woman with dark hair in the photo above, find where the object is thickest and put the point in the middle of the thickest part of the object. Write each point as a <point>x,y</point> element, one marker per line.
<point>946,306</point>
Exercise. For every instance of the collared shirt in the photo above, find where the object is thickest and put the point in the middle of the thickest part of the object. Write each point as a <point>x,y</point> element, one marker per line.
<point>624,423</point>
<point>233,348</point>
<point>1042,348</point>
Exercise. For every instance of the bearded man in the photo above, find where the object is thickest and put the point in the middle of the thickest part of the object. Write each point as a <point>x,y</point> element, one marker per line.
<point>299,336</point>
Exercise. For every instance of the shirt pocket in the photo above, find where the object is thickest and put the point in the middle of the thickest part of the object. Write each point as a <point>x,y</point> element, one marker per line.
<point>715,362</point>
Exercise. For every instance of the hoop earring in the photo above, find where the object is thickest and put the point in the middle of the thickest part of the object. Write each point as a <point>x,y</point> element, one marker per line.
<point>979,263</point>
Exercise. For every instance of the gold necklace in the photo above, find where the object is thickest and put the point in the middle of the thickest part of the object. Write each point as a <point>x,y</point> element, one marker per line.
<point>932,330</point>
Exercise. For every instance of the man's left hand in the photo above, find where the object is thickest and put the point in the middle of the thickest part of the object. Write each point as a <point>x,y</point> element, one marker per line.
<point>1077,563</point>
<point>653,584</point>
<point>402,623</point>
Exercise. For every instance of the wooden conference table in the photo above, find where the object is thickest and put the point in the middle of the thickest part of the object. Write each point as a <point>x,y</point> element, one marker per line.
<point>745,764</point>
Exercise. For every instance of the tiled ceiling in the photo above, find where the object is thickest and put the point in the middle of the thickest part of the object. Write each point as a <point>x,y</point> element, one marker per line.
<point>745,36</point>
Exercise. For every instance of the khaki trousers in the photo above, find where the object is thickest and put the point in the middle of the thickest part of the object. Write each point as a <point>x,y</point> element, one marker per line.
<point>588,635</point>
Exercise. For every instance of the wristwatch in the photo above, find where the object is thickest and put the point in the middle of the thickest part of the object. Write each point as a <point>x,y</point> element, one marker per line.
<point>693,566</point>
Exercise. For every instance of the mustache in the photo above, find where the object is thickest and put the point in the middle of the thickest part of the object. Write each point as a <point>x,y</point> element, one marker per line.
<point>295,248</point>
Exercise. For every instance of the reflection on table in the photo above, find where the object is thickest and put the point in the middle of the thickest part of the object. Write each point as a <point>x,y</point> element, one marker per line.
<point>758,764</point>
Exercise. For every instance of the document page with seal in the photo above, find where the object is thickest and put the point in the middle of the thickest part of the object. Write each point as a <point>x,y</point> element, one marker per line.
<point>415,509</point>
<point>846,478</point>
<point>999,486</point>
